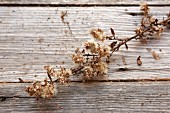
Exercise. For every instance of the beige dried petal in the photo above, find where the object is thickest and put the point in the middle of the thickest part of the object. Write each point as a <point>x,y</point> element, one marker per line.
<point>152,19</point>
<point>155,55</point>
<point>124,60</point>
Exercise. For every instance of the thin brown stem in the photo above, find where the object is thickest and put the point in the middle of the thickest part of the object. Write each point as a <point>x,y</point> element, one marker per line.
<point>116,48</point>
<point>49,76</point>
<point>75,70</point>
<point>163,22</point>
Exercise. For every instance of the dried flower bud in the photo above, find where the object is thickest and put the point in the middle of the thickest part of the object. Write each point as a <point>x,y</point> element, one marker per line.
<point>145,9</point>
<point>98,34</point>
<point>50,71</point>
<point>157,31</point>
<point>88,72</point>
<point>104,51</point>
<point>78,58</point>
<point>100,68</point>
<point>139,31</point>
<point>155,55</point>
<point>139,62</point>
<point>42,89</point>
<point>152,20</point>
<point>112,45</point>
<point>63,75</point>
<point>91,45</point>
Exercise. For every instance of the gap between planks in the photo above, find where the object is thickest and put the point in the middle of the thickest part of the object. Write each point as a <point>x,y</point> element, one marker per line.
<point>83,3</point>
<point>116,80</point>
<point>76,5</point>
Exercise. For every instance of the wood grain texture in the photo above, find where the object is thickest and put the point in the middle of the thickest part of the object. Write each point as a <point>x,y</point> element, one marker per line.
<point>86,2</point>
<point>33,37</point>
<point>92,97</point>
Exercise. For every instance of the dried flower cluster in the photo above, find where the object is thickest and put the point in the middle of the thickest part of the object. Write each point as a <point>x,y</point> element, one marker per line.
<point>62,74</point>
<point>93,60</point>
<point>42,89</point>
<point>150,26</point>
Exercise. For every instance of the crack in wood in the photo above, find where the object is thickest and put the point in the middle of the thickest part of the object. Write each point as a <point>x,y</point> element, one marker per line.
<point>75,5</point>
<point>114,80</point>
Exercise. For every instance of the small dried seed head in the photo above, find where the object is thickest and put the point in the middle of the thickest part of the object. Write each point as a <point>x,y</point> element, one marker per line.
<point>63,75</point>
<point>78,58</point>
<point>145,9</point>
<point>139,31</point>
<point>50,71</point>
<point>91,45</point>
<point>100,67</point>
<point>98,34</point>
<point>42,89</point>
<point>88,72</point>
<point>104,51</point>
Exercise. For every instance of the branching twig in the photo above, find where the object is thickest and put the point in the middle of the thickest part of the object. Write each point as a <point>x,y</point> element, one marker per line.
<point>93,60</point>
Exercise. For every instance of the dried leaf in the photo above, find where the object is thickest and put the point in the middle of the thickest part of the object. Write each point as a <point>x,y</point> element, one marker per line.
<point>139,62</point>
<point>143,41</point>
<point>155,55</point>
<point>83,51</point>
<point>126,46</point>
<point>112,45</point>
<point>77,50</point>
<point>63,14</point>
<point>168,24</point>
<point>112,31</point>
<point>168,15</point>
<point>124,60</point>
<point>20,80</point>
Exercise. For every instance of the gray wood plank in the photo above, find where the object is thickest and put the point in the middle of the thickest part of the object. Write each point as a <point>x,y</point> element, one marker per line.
<point>92,97</point>
<point>86,2</point>
<point>32,37</point>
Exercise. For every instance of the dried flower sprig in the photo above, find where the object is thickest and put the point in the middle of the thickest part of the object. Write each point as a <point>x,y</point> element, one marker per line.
<point>93,60</point>
<point>42,89</point>
<point>150,27</point>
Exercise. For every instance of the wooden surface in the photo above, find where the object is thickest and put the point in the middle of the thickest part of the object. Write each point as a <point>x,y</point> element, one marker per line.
<point>32,37</point>
<point>104,97</point>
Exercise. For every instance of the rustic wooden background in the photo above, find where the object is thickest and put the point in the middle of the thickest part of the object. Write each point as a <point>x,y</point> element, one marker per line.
<point>33,35</point>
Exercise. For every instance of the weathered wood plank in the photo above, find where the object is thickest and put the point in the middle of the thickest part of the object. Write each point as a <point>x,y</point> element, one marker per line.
<point>32,37</point>
<point>86,2</point>
<point>91,97</point>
